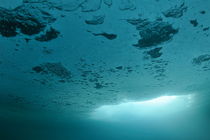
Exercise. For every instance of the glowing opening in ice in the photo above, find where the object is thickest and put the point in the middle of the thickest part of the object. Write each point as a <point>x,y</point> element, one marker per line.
<point>159,100</point>
<point>158,107</point>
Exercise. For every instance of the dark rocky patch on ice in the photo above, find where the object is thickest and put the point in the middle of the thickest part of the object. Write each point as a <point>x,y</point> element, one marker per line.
<point>123,70</point>
<point>48,35</point>
<point>194,22</point>
<point>153,33</point>
<point>98,85</point>
<point>106,35</point>
<point>201,59</point>
<point>155,53</point>
<point>53,69</point>
<point>203,12</point>
<point>119,67</point>
<point>96,20</point>
<point>206,29</point>
<point>176,12</point>
<point>26,19</point>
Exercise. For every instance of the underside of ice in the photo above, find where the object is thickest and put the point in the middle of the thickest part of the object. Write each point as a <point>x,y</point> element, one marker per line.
<point>76,55</point>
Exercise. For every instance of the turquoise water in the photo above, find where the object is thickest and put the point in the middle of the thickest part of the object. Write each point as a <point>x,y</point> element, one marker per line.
<point>190,126</point>
<point>104,70</point>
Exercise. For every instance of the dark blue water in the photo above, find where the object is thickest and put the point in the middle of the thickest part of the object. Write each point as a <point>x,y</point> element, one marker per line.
<point>104,70</point>
<point>186,125</point>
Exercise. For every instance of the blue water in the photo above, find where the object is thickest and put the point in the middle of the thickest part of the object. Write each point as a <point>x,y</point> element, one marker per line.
<point>190,127</point>
<point>104,70</point>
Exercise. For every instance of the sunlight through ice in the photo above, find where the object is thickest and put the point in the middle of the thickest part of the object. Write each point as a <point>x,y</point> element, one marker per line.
<point>160,100</point>
<point>154,108</point>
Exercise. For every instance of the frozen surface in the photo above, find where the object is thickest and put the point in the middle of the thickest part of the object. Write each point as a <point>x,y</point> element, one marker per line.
<point>10,4</point>
<point>74,56</point>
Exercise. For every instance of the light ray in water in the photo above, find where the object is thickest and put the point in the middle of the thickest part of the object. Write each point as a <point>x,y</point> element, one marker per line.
<point>154,108</point>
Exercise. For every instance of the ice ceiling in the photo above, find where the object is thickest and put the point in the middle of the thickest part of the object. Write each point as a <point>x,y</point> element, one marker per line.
<point>77,55</point>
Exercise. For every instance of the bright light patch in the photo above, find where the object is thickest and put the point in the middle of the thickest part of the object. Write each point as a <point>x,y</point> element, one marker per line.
<point>160,100</point>
<point>158,107</point>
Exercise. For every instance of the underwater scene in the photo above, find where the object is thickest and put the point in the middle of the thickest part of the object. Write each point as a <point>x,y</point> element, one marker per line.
<point>104,70</point>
